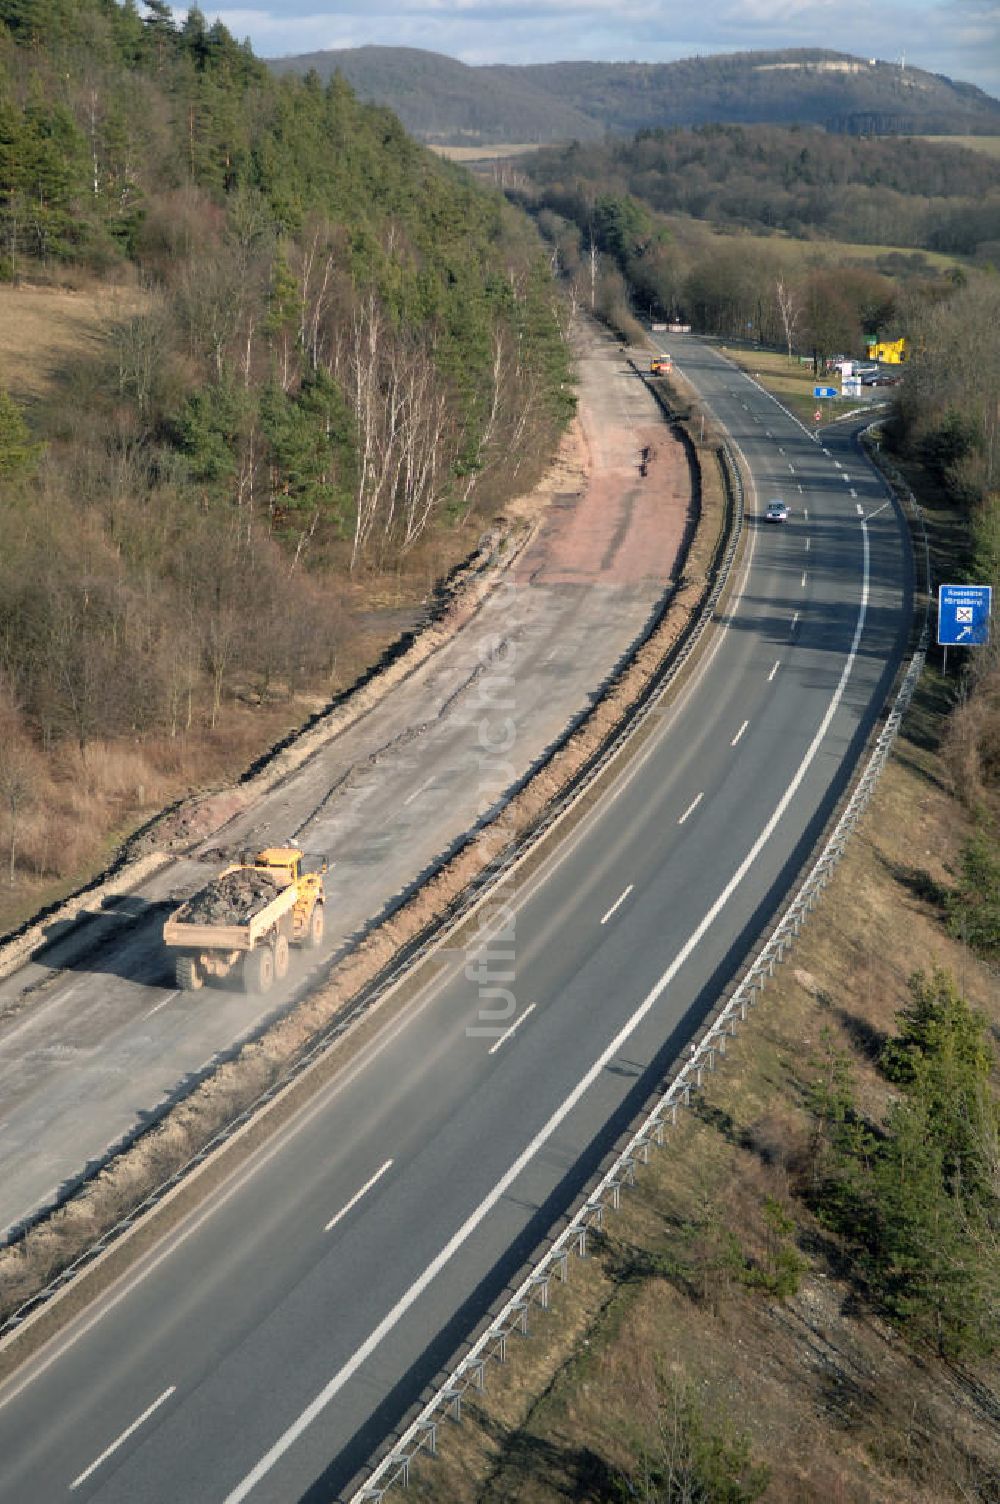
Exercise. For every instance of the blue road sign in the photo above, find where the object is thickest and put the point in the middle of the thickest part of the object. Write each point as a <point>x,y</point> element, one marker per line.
<point>824,391</point>
<point>964,615</point>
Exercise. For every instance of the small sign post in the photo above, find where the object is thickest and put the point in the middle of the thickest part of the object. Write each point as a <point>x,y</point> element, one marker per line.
<point>963,616</point>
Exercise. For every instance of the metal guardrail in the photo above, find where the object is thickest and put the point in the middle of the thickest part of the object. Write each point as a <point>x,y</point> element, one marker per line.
<point>421,1436</point>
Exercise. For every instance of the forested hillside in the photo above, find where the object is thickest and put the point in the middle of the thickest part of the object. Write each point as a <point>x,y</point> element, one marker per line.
<point>443,100</point>
<point>802,182</point>
<point>346,346</point>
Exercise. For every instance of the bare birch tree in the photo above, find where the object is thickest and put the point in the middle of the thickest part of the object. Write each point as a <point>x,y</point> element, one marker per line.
<point>789,310</point>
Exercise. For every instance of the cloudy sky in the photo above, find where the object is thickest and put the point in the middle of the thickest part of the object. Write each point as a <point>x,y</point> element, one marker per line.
<point>958,37</point>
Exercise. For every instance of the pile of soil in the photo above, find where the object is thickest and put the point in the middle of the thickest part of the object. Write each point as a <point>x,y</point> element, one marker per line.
<point>231,899</point>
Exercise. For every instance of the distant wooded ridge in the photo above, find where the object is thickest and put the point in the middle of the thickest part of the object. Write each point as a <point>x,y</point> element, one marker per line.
<point>441,100</point>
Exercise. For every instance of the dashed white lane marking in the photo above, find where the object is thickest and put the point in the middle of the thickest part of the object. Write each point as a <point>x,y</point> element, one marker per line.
<point>777,665</point>
<point>838,464</point>
<point>827,453</point>
<point>804,578</point>
<point>161,1004</point>
<point>780,450</point>
<point>801,493</point>
<point>515,1025</point>
<point>120,1440</point>
<point>739,733</point>
<point>767,433</point>
<point>861,510</point>
<point>792,468</point>
<point>410,797</point>
<point>808,544</point>
<point>336,1382</point>
<point>691,807</point>
<point>617,903</point>
<point>358,1195</point>
<point>854,493</point>
<point>795,620</point>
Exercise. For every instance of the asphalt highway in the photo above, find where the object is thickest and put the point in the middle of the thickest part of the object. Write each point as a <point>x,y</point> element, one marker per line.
<point>275,1340</point>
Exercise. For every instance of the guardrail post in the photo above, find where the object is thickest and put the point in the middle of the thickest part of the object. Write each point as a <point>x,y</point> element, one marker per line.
<point>540,1282</point>
<point>562,1259</point>
<point>429,1427</point>
<point>497,1335</point>
<point>453,1400</point>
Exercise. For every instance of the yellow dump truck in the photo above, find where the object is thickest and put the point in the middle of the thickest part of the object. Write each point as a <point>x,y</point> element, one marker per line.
<point>243,922</point>
<point>660,365</point>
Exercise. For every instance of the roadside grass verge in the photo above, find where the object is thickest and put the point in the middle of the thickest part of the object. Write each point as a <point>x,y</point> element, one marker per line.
<point>824,1391</point>
<point>790,381</point>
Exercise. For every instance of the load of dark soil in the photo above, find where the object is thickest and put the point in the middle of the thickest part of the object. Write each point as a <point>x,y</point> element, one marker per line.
<point>232,899</point>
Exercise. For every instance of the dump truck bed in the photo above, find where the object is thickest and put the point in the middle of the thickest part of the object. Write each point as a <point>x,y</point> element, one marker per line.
<point>253,913</point>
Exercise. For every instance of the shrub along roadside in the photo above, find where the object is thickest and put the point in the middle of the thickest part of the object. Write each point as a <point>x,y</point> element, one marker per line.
<point>917,1195</point>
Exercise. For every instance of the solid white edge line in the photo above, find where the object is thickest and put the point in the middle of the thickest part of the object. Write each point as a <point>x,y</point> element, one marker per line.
<point>691,807</point>
<point>617,903</point>
<point>119,1440</point>
<point>739,733</point>
<point>409,1298</point>
<point>358,1195</point>
<point>777,665</point>
<point>514,1026</point>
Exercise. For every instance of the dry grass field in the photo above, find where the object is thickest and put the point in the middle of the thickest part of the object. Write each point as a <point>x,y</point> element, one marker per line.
<point>44,328</point>
<point>485,153</point>
<point>990,145</point>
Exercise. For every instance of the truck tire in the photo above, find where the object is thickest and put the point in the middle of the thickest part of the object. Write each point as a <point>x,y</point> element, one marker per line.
<point>258,970</point>
<point>186,974</point>
<point>314,933</point>
<point>281,958</point>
